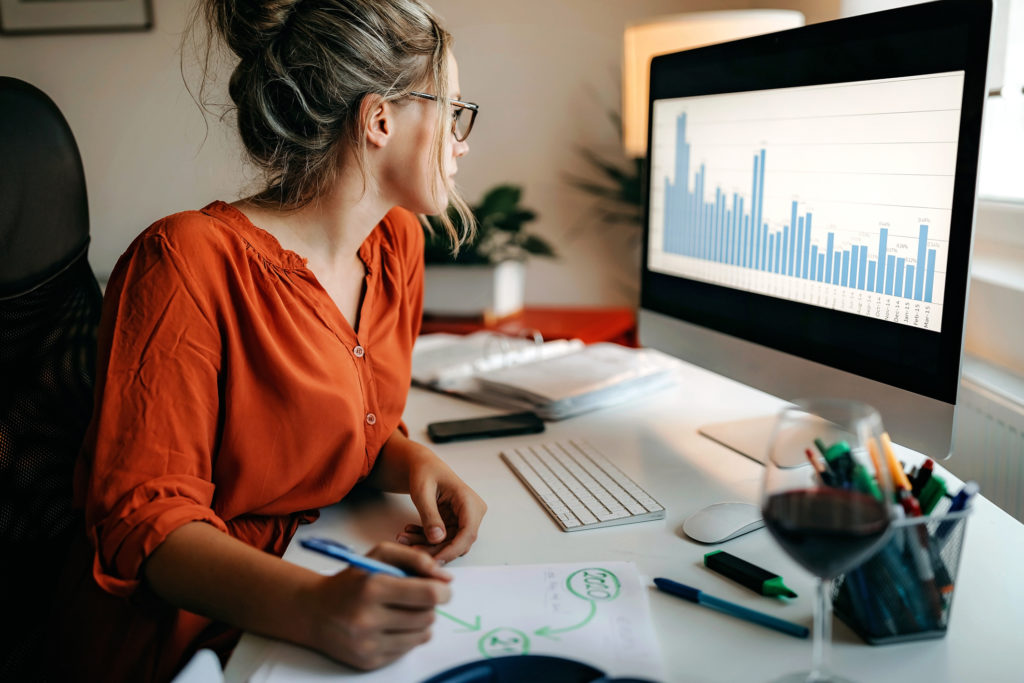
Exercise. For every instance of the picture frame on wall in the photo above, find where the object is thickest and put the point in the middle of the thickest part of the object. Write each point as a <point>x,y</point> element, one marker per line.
<point>21,17</point>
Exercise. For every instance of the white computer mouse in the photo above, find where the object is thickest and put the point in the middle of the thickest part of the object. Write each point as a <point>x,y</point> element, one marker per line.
<point>722,521</point>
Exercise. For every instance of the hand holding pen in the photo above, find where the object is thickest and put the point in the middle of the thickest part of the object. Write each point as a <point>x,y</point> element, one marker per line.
<point>369,615</point>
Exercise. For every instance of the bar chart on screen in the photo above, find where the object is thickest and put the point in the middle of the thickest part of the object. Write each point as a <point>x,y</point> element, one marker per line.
<point>836,195</point>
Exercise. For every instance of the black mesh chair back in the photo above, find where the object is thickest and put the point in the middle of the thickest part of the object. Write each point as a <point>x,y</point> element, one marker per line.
<point>49,311</point>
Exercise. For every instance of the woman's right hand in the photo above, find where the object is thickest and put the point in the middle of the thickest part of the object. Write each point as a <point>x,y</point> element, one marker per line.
<point>369,620</point>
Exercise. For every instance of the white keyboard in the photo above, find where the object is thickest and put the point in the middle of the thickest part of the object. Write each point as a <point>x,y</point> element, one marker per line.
<point>579,487</point>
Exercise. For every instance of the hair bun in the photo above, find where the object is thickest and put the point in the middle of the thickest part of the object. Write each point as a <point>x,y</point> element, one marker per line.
<point>247,26</point>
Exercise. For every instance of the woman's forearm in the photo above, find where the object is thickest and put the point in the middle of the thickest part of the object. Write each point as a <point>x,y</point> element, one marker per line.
<point>362,619</point>
<point>395,462</point>
<point>203,570</point>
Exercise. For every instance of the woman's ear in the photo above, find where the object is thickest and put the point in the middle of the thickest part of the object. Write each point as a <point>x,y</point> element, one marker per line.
<point>378,118</point>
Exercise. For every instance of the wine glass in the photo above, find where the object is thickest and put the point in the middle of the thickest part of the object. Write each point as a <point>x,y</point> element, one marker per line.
<point>826,499</point>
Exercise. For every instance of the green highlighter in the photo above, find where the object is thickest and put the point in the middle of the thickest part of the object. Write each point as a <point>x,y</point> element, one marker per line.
<point>753,577</point>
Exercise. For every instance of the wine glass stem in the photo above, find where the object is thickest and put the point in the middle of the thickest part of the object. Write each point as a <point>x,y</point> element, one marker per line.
<point>822,642</point>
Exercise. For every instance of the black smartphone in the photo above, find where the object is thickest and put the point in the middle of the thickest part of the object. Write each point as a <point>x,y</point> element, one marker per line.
<point>485,427</point>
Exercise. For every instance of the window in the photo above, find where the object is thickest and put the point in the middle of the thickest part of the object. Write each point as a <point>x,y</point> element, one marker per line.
<point>1001,173</point>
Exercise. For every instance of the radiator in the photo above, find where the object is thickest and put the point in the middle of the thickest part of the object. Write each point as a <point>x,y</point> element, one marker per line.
<point>988,445</point>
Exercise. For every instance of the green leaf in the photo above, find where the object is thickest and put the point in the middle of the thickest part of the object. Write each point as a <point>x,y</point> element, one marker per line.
<point>538,246</point>
<point>501,199</point>
<point>613,193</point>
<point>499,234</point>
<point>616,119</point>
<point>514,221</point>
<point>613,172</point>
<point>525,215</point>
<point>437,253</point>
<point>622,217</point>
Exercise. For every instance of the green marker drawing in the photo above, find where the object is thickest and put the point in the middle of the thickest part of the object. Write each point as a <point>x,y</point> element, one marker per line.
<point>503,641</point>
<point>475,626</point>
<point>547,631</point>
<point>593,583</point>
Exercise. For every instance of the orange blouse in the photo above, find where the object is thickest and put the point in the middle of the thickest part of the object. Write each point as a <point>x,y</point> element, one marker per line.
<point>231,390</point>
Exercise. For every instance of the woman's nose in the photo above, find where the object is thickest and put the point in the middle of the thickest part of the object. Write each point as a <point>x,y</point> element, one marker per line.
<point>460,149</point>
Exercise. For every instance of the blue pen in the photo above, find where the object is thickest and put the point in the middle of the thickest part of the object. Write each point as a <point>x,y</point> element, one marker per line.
<point>346,554</point>
<point>960,502</point>
<point>681,590</point>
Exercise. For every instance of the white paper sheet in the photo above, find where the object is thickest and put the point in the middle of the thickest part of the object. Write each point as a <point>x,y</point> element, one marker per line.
<point>594,612</point>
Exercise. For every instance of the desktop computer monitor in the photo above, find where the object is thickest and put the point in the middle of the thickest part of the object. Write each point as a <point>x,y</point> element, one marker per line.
<point>809,212</point>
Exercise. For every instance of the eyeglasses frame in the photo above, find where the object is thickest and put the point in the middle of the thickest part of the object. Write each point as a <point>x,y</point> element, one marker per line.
<point>473,108</point>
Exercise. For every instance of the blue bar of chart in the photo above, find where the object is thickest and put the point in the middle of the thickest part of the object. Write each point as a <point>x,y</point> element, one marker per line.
<point>785,249</point>
<point>837,196</point>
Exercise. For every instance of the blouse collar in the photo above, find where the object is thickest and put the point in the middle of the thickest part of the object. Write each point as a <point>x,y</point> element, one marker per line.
<point>271,250</point>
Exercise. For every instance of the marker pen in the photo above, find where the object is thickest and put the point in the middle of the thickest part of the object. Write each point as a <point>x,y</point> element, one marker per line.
<point>753,577</point>
<point>899,477</point>
<point>922,477</point>
<point>681,590</point>
<point>340,551</point>
<point>922,557</point>
<point>838,457</point>
<point>864,482</point>
<point>931,493</point>
<point>961,501</point>
<point>823,473</point>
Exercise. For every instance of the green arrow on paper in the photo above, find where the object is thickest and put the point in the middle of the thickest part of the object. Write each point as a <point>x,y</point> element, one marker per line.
<point>475,626</point>
<point>548,632</point>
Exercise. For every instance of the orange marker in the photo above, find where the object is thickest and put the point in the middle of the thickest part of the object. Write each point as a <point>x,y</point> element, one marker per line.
<point>899,477</point>
<point>875,458</point>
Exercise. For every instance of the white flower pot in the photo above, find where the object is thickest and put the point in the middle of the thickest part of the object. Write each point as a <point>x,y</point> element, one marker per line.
<point>489,291</point>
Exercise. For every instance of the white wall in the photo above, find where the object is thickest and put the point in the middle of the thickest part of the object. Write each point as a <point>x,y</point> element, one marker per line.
<point>544,72</point>
<point>138,130</point>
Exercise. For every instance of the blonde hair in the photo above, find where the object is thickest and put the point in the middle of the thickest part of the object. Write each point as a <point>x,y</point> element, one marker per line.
<point>304,68</point>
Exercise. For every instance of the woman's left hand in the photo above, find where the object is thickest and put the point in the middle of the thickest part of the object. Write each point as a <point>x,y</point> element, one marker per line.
<point>450,511</point>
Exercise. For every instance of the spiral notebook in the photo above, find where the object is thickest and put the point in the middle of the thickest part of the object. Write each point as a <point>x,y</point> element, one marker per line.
<point>555,379</point>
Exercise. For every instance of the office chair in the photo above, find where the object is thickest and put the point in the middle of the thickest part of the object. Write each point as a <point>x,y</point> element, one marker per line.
<point>49,311</point>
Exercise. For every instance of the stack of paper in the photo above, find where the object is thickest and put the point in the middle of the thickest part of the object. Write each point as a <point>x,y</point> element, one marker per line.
<point>444,361</point>
<point>556,379</point>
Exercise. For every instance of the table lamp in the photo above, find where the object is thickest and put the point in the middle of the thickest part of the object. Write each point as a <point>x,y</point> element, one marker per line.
<point>661,35</point>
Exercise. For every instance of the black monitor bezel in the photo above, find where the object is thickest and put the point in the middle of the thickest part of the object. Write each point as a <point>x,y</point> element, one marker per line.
<point>855,49</point>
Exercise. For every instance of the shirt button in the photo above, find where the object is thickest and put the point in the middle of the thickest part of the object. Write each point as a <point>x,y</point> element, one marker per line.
<point>371,419</point>
<point>359,352</point>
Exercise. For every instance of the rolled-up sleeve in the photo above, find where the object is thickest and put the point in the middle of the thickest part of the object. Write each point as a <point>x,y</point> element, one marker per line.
<point>147,460</point>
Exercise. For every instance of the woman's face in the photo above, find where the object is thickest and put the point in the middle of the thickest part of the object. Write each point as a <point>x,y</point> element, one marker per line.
<point>414,177</point>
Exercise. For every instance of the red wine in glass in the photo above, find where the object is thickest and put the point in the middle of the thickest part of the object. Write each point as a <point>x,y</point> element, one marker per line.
<point>826,530</point>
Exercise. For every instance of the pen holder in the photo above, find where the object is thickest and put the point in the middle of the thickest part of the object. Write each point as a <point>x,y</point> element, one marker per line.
<point>905,591</point>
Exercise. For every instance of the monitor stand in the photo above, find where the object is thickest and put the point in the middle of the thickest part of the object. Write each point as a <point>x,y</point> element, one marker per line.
<point>750,436</point>
<point>920,423</point>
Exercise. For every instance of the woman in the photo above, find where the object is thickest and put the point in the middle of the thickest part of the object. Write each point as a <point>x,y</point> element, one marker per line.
<point>255,360</point>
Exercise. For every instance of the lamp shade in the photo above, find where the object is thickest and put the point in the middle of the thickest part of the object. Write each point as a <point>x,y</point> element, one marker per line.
<point>642,41</point>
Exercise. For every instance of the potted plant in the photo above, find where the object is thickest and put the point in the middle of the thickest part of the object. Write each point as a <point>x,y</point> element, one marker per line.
<point>486,278</point>
<point>620,189</point>
<point>616,183</point>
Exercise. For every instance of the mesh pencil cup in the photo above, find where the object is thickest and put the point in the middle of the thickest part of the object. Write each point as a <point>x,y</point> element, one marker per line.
<point>905,591</point>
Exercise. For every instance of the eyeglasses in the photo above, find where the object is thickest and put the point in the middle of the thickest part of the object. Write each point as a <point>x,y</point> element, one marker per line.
<point>461,123</point>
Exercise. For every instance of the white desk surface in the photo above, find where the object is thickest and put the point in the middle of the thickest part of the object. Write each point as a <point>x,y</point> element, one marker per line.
<point>655,441</point>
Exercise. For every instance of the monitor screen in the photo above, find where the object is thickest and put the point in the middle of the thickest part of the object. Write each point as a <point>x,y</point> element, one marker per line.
<point>812,191</point>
